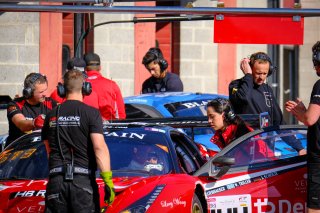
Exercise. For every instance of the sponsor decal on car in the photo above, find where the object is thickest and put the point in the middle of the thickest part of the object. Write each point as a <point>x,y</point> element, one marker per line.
<point>125,135</point>
<point>232,183</point>
<point>174,202</point>
<point>233,203</point>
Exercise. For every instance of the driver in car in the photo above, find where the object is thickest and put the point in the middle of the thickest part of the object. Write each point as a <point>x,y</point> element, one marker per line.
<point>152,164</point>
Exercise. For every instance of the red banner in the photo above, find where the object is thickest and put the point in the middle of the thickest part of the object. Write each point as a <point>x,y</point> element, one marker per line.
<point>258,30</point>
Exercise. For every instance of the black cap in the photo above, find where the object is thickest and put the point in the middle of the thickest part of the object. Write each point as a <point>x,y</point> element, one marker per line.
<point>92,59</point>
<point>76,63</point>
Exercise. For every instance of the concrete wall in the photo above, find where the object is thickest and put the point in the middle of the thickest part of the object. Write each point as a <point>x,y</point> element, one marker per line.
<point>115,45</point>
<point>19,54</point>
<point>198,62</point>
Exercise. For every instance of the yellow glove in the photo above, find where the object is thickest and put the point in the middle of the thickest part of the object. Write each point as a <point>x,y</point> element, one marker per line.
<point>108,188</point>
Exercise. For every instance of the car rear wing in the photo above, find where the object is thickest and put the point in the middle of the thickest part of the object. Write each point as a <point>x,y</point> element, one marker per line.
<point>254,120</point>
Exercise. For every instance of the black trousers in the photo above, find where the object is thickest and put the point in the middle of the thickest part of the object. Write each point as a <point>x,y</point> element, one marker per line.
<point>79,195</point>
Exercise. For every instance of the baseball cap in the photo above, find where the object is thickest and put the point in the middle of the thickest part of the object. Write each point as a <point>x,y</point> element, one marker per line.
<point>76,63</point>
<point>92,59</point>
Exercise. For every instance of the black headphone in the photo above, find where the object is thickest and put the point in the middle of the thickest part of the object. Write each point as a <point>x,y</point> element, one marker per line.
<point>29,82</point>
<point>229,114</point>
<point>86,89</point>
<point>159,58</point>
<point>263,56</point>
<point>316,54</point>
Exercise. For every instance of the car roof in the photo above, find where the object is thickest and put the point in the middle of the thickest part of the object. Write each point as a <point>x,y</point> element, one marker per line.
<point>156,99</point>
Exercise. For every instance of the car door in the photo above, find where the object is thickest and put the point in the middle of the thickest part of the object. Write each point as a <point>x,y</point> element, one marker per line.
<point>268,175</point>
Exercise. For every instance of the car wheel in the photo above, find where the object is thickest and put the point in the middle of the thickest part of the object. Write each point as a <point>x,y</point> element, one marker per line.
<point>196,205</point>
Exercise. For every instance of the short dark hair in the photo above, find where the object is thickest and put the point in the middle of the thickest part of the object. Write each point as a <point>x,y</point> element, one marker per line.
<point>34,78</point>
<point>153,54</point>
<point>73,81</point>
<point>316,54</point>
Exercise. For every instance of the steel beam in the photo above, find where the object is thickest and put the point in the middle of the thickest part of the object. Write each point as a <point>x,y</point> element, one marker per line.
<point>274,12</point>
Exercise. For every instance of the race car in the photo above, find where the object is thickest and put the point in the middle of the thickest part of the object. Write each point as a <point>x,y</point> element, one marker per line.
<point>174,105</point>
<point>159,169</point>
<point>168,104</point>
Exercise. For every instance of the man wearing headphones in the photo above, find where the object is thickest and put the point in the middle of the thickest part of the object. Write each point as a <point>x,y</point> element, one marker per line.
<point>28,112</point>
<point>79,64</point>
<point>252,95</point>
<point>111,105</point>
<point>310,117</point>
<point>73,134</point>
<point>161,79</point>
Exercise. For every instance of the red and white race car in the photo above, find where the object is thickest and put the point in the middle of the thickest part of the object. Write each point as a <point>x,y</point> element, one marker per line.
<point>160,169</point>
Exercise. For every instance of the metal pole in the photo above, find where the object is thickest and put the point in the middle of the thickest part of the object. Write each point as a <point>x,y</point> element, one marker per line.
<point>272,12</point>
<point>138,20</point>
<point>78,30</point>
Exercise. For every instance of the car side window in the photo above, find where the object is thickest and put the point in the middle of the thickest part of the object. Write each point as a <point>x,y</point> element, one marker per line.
<point>141,111</point>
<point>267,146</point>
<point>186,162</point>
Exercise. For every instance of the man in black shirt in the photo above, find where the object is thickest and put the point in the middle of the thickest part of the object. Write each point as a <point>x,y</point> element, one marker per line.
<point>73,134</point>
<point>251,94</point>
<point>310,117</point>
<point>161,79</point>
<point>28,112</point>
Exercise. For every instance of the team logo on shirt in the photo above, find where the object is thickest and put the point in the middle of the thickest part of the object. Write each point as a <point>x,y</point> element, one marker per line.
<point>268,99</point>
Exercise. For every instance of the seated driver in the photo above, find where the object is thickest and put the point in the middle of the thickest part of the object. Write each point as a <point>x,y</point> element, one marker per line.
<point>152,163</point>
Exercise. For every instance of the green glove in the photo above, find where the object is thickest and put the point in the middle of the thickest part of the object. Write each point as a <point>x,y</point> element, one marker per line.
<point>108,187</point>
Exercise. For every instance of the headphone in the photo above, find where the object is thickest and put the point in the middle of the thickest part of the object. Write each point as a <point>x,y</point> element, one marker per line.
<point>263,56</point>
<point>159,57</point>
<point>86,89</point>
<point>29,82</point>
<point>316,54</point>
<point>229,114</point>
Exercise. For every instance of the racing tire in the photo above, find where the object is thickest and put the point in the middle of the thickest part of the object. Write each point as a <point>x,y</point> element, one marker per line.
<point>196,205</point>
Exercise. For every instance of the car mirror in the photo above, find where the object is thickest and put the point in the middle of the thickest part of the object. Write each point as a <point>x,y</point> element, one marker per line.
<point>220,166</point>
<point>216,167</point>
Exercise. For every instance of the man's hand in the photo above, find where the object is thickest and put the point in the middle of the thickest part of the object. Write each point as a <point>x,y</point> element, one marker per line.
<point>108,188</point>
<point>302,152</point>
<point>245,66</point>
<point>39,121</point>
<point>297,108</point>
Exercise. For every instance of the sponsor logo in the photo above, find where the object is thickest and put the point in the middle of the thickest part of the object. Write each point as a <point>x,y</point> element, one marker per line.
<point>173,202</point>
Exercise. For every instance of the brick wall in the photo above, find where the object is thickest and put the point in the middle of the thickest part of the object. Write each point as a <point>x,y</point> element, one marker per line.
<point>114,43</point>
<point>19,54</point>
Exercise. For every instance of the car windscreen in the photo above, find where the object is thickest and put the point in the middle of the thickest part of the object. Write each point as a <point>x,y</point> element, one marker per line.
<point>188,108</point>
<point>26,160</point>
<point>135,153</point>
<point>268,147</point>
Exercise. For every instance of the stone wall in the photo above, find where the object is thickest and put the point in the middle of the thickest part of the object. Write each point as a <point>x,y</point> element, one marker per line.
<point>19,54</point>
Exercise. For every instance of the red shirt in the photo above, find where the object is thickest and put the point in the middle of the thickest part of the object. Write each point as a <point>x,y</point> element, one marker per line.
<point>91,100</point>
<point>111,103</point>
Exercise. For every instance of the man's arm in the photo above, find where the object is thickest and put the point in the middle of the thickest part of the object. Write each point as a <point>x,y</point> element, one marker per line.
<point>307,116</point>
<point>119,103</point>
<point>20,121</point>
<point>174,84</point>
<point>240,90</point>
<point>101,151</point>
<point>103,161</point>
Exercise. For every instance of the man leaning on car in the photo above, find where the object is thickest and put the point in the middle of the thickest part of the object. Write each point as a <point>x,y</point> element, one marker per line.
<point>28,112</point>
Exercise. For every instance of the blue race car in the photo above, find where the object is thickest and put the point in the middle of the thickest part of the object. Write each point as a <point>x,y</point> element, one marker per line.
<point>174,105</point>
<point>168,104</point>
